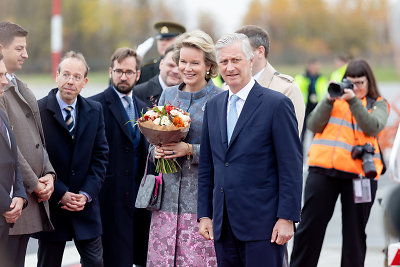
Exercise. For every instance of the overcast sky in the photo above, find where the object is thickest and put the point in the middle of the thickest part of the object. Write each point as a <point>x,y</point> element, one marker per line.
<point>227,13</point>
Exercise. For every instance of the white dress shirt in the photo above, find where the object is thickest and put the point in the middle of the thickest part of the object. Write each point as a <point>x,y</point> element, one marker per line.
<point>242,94</point>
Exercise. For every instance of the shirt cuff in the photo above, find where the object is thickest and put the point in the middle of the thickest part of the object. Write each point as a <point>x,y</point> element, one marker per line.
<point>89,199</point>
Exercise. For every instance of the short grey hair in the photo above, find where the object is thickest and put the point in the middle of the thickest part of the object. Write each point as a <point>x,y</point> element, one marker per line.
<point>231,38</point>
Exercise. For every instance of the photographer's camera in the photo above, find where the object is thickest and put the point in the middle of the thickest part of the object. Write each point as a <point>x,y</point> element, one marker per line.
<point>366,154</point>
<point>337,89</point>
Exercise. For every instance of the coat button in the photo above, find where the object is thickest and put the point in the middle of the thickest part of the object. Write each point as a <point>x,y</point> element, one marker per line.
<point>222,190</point>
<point>226,164</point>
<point>37,146</point>
<point>126,172</point>
<point>73,173</point>
<point>27,115</point>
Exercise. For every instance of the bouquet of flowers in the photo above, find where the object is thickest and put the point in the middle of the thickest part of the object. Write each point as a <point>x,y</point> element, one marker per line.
<point>163,125</point>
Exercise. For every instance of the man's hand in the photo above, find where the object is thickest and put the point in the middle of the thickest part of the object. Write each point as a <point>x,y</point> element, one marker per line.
<point>206,228</point>
<point>45,192</point>
<point>283,231</point>
<point>15,210</point>
<point>73,202</point>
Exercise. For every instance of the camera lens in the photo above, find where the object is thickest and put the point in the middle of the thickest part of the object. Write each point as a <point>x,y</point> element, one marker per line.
<point>369,165</point>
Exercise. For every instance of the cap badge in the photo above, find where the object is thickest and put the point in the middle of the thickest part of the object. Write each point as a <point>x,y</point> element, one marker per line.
<point>164,29</point>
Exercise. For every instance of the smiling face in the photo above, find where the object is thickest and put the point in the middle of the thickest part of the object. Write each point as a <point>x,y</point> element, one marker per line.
<point>70,79</point>
<point>234,67</point>
<point>169,70</point>
<point>15,54</point>
<point>192,68</point>
<point>360,86</point>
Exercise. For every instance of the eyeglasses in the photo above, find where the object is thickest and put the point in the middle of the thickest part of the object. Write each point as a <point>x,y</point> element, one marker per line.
<point>128,73</point>
<point>358,83</point>
<point>75,77</point>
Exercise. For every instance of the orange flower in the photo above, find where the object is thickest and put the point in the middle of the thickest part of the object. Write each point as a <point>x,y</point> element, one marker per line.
<point>178,122</point>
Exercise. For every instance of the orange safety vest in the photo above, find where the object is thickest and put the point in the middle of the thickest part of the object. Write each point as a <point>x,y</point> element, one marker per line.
<point>331,149</point>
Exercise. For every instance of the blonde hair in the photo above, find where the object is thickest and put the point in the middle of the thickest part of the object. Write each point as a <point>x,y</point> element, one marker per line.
<point>202,41</point>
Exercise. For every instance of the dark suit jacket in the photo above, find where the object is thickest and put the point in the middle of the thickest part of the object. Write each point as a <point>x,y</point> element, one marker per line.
<point>9,167</point>
<point>258,176</point>
<point>125,228</point>
<point>149,92</point>
<point>80,165</point>
<point>149,70</point>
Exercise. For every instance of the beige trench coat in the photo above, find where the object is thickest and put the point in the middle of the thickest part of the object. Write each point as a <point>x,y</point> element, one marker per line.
<point>23,114</point>
<point>283,83</point>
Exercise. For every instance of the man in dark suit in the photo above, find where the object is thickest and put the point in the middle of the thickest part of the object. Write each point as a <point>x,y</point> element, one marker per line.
<point>250,171</point>
<point>150,91</point>
<point>77,147</point>
<point>12,191</point>
<point>125,228</point>
<point>167,33</point>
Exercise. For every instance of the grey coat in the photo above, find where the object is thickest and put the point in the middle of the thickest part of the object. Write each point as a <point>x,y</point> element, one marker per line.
<point>180,189</point>
<point>22,111</point>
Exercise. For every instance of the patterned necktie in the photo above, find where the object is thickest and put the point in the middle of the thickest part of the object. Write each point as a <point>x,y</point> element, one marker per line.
<point>3,131</point>
<point>14,81</point>
<point>129,109</point>
<point>232,116</point>
<point>69,120</point>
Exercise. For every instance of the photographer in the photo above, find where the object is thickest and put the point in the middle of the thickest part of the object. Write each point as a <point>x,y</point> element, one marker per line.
<point>344,159</point>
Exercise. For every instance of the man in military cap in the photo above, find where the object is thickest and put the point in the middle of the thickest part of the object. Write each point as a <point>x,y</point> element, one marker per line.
<point>167,33</point>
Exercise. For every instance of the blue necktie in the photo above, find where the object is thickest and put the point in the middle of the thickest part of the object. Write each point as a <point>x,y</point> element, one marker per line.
<point>130,109</point>
<point>69,120</point>
<point>232,116</point>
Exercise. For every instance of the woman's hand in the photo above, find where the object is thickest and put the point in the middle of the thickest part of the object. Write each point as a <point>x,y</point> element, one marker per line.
<point>348,94</point>
<point>173,150</point>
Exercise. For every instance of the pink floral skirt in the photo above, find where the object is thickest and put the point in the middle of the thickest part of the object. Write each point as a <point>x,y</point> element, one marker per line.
<point>175,241</point>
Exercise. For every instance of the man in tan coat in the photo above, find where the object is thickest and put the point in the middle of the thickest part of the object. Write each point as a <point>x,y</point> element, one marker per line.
<point>20,106</point>
<point>266,75</point>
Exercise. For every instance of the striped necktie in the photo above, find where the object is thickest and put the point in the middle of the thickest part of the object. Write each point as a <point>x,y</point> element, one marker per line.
<point>69,120</point>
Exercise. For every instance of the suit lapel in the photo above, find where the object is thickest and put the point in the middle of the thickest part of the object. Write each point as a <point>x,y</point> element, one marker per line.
<point>116,108</point>
<point>5,138</point>
<point>53,107</point>
<point>251,104</point>
<point>82,116</point>
<point>222,118</point>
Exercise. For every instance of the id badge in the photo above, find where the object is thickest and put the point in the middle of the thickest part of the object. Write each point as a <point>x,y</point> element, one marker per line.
<point>362,190</point>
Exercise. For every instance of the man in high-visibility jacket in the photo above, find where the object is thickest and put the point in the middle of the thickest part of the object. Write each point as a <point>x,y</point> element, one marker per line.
<point>313,86</point>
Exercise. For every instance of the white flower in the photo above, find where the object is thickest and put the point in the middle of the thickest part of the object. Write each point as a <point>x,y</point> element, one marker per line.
<point>151,113</point>
<point>165,121</point>
<point>185,118</point>
<point>175,113</point>
<point>157,121</point>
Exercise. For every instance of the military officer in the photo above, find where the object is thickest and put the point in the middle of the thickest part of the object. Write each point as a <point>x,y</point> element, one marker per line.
<point>167,33</point>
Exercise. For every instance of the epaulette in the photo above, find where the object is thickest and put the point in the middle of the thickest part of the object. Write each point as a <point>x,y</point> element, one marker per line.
<point>150,62</point>
<point>285,77</point>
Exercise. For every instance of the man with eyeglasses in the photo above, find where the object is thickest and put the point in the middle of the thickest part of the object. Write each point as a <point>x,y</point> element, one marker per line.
<point>125,228</point>
<point>20,106</point>
<point>74,131</point>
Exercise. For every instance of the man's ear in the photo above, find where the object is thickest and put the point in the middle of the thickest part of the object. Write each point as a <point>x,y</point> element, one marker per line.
<point>138,75</point>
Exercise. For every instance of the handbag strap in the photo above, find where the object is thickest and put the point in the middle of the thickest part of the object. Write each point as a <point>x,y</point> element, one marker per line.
<point>147,163</point>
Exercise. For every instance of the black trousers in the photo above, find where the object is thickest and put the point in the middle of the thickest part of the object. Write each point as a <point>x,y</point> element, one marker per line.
<point>320,195</point>
<point>50,253</point>
<point>17,249</point>
<point>4,253</point>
